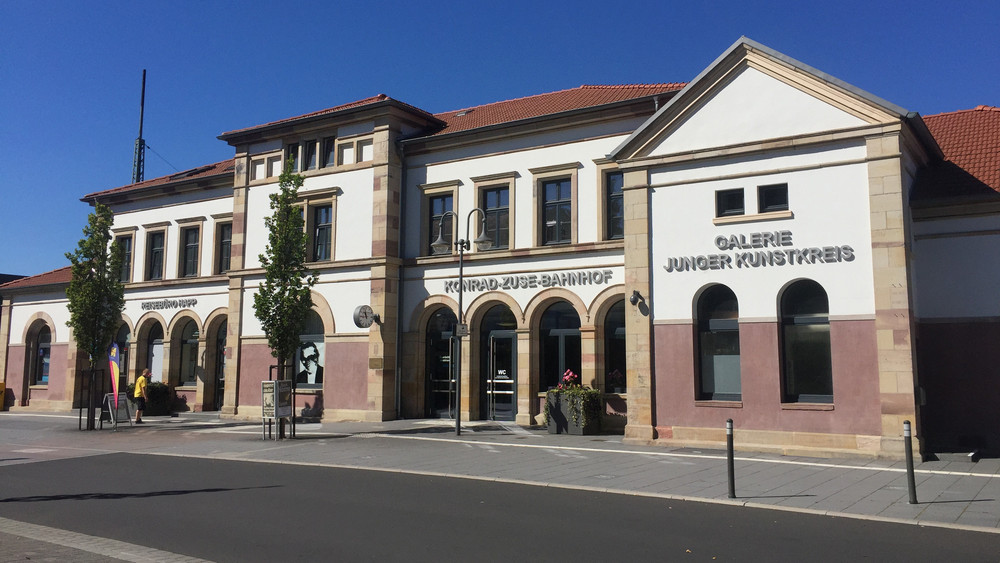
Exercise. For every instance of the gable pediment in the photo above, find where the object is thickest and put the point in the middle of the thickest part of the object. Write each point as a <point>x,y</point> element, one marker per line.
<point>750,95</point>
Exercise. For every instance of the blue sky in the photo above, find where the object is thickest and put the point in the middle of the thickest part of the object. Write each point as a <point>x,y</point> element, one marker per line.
<point>70,73</point>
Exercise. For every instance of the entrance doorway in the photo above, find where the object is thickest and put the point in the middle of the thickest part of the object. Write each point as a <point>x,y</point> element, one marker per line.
<point>498,364</point>
<point>154,353</point>
<point>500,375</point>
<point>219,392</point>
<point>440,381</point>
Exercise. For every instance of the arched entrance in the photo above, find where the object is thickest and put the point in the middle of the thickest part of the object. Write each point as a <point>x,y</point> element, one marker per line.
<point>154,352</point>
<point>438,376</point>
<point>218,360</point>
<point>498,364</point>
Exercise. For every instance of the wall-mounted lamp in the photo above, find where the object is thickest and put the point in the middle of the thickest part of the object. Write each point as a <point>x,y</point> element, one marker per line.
<point>635,298</point>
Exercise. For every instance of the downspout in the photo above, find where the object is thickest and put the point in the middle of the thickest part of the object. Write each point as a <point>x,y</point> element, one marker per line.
<point>656,103</point>
<point>399,283</point>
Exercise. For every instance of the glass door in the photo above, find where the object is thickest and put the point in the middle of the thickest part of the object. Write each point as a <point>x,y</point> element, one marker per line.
<point>501,376</point>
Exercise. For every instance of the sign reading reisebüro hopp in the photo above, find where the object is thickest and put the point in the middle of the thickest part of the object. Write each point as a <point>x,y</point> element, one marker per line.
<point>759,250</point>
<point>530,281</point>
<point>179,303</point>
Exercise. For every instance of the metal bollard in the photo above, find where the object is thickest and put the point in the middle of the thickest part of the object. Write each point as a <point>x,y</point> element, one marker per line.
<point>911,484</point>
<point>729,458</point>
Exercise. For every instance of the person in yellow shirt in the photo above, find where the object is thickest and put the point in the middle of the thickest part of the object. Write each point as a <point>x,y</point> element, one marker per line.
<point>140,395</point>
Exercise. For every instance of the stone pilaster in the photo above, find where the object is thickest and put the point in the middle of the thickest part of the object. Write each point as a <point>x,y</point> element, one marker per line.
<point>386,195</point>
<point>894,323</point>
<point>237,261</point>
<point>527,401</point>
<point>638,319</point>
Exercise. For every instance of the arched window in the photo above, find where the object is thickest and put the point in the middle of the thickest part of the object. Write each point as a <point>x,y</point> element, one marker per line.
<point>189,354</point>
<point>719,345</point>
<point>614,348</point>
<point>310,357</point>
<point>805,344</point>
<point>43,352</point>
<point>560,332</point>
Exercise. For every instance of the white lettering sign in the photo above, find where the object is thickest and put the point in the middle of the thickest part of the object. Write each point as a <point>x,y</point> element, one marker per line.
<point>169,304</point>
<point>531,281</point>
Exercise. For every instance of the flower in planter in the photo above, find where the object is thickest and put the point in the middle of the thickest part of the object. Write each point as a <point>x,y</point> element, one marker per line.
<point>569,380</point>
<point>584,405</point>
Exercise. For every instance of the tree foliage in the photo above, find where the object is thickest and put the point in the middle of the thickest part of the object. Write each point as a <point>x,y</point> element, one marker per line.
<point>284,298</point>
<point>96,294</point>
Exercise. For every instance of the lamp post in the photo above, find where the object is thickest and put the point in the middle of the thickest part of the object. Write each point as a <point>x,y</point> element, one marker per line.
<point>439,246</point>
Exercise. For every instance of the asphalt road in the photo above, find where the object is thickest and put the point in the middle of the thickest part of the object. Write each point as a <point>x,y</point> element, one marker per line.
<point>236,511</point>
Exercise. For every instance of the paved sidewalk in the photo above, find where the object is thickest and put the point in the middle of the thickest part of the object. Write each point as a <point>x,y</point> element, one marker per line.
<point>950,494</point>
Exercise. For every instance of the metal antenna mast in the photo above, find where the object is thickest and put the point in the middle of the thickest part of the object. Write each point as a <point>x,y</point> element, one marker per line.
<point>139,159</point>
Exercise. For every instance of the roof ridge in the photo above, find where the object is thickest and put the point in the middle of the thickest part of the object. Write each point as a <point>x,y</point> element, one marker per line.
<point>641,85</point>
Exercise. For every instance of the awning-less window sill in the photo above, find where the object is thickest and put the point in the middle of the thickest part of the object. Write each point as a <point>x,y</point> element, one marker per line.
<point>720,404</point>
<point>771,216</point>
<point>807,406</point>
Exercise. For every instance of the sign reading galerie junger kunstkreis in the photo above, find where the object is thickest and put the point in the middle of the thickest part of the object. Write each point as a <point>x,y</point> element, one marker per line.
<point>566,278</point>
<point>759,250</point>
<point>169,304</point>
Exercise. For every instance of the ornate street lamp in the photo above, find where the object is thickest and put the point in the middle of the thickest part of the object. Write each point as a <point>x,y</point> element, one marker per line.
<point>440,246</point>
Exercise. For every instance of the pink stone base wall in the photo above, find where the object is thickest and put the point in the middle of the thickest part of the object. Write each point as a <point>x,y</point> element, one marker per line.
<point>856,406</point>
<point>345,376</point>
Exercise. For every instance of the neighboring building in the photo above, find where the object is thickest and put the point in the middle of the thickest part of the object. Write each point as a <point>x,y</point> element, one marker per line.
<point>766,243</point>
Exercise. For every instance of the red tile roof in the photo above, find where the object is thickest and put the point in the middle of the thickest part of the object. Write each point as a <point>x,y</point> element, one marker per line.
<point>351,105</point>
<point>224,168</point>
<point>546,104</point>
<point>60,276</point>
<point>970,141</point>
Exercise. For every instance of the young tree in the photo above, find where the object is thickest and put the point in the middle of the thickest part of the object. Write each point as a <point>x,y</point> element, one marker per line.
<point>284,298</point>
<point>96,294</point>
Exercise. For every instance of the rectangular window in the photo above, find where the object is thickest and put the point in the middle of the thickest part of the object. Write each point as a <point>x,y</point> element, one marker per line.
<point>345,154</point>
<point>614,204</point>
<point>189,252</point>
<point>366,151</point>
<point>154,256</point>
<point>258,169</point>
<point>126,245</point>
<point>772,198</point>
<point>323,225</point>
<point>329,152</point>
<point>729,202</point>
<point>274,166</point>
<point>438,206</point>
<point>309,155</point>
<point>224,248</point>
<point>293,155</point>
<point>557,211</point>
<point>496,204</point>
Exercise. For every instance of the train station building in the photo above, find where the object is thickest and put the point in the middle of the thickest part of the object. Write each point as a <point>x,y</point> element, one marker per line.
<point>764,243</point>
